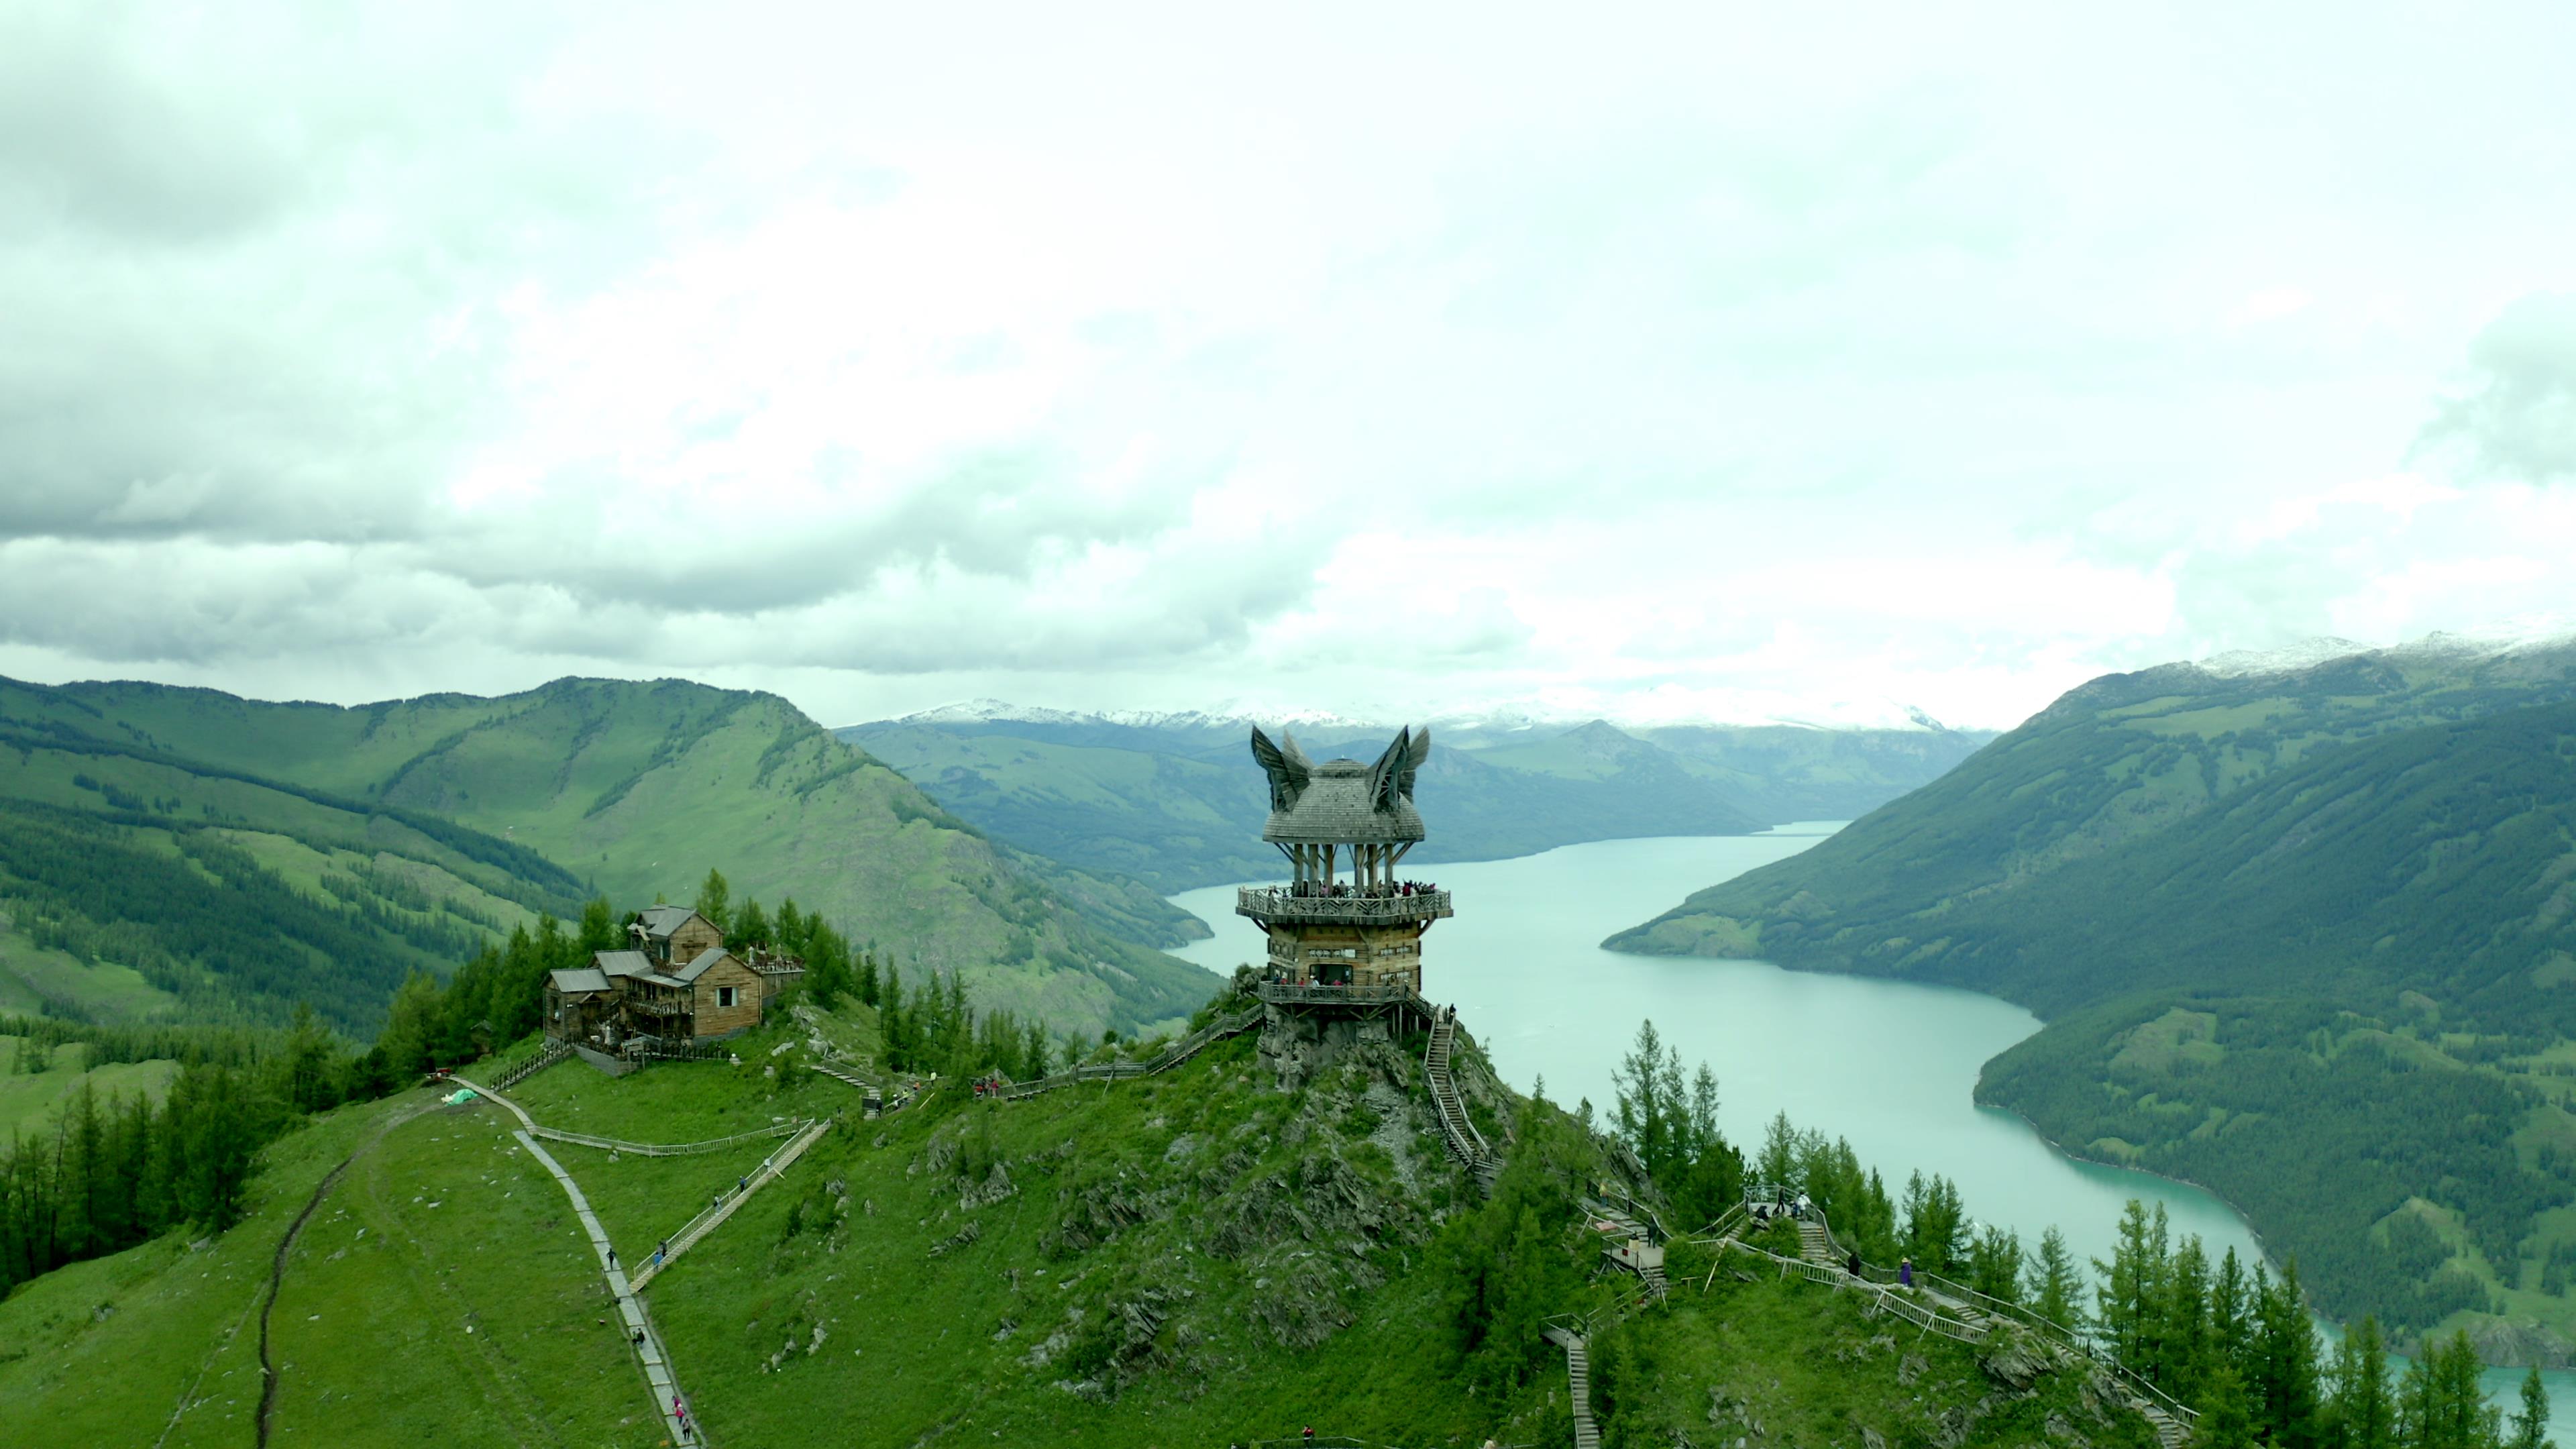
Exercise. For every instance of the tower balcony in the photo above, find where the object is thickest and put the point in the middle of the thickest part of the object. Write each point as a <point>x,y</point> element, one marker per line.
<point>1278,905</point>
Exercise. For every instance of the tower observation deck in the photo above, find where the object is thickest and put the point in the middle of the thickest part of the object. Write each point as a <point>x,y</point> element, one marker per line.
<point>1346,931</point>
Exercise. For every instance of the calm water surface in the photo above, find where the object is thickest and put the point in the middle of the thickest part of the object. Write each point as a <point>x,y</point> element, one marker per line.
<point>1890,1065</point>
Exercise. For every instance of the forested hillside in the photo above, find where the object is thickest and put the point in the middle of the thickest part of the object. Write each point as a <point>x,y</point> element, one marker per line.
<point>135,882</point>
<point>2325,906</point>
<point>1170,801</point>
<point>630,790</point>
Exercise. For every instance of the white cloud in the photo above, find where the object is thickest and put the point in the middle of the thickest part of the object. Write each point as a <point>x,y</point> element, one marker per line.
<point>1148,357</point>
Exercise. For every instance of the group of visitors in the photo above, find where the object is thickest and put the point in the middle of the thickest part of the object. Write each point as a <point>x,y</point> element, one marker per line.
<point>1382,890</point>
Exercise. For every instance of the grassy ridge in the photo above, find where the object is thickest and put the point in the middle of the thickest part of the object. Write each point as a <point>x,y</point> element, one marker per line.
<point>1184,1259</point>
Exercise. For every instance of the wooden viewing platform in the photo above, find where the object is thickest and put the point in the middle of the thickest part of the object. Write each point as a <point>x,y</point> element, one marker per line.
<point>1266,904</point>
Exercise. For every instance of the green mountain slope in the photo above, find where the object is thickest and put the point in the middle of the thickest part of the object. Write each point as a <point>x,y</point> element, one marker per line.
<point>637,790</point>
<point>137,883</point>
<point>2268,915</point>
<point>2175,828</point>
<point>1194,1258</point>
<point>1172,803</point>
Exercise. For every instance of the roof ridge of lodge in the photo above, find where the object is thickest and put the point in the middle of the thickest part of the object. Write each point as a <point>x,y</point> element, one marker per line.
<point>1342,802</point>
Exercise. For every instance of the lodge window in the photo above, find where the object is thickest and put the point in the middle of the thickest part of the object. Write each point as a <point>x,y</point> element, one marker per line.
<point>724,995</point>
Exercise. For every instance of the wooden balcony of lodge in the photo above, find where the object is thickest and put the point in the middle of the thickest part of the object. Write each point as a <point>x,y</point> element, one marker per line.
<point>1268,904</point>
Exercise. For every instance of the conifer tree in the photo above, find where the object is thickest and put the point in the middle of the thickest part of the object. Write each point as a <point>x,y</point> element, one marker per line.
<point>1778,1164</point>
<point>599,927</point>
<point>2055,1286</point>
<point>2187,1336</point>
<point>2224,1422</point>
<point>2231,1319</point>
<point>2287,1408</point>
<point>2531,1422</point>
<point>750,925</point>
<point>2364,1416</point>
<point>715,900</point>
<point>1994,1264</point>
<point>2125,1285</point>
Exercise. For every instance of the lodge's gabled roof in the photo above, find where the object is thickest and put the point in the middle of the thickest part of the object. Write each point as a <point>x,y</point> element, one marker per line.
<point>579,979</point>
<point>622,963</point>
<point>698,968</point>
<point>660,922</point>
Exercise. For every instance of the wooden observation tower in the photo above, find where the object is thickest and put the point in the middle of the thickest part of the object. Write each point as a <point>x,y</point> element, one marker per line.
<point>1346,931</point>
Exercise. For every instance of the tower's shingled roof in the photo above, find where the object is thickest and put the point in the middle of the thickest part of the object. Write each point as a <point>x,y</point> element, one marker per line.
<point>1342,802</point>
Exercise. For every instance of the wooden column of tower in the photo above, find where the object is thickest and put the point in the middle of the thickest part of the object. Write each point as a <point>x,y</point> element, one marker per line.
<point>1345,934</point>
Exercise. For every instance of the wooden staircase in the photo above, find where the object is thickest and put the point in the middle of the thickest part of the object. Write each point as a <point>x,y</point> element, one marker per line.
<point>1456,1129</point>
<point>707,1222</point>
<point>1816,1244</point>
<point>2171,1433</point>
<point>1578,1378</point>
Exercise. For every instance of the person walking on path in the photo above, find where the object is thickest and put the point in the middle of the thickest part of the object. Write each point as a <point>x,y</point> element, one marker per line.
<point>612,1258</point>
<point>1853,1264</point>
<point>1905,1272</point>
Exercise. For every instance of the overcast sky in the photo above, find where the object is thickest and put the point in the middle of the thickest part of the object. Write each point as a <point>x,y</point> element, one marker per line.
<point>1803,357</point>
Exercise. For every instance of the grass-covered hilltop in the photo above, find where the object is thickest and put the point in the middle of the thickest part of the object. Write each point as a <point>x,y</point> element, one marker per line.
<point>2302,934</point>
<point>1223,1235</point>
<point>185,855</point>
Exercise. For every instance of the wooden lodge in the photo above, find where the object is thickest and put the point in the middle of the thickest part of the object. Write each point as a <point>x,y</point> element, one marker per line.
<point>678,984</point>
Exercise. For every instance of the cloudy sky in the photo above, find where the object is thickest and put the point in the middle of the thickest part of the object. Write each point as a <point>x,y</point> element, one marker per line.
<point>1795,357</point>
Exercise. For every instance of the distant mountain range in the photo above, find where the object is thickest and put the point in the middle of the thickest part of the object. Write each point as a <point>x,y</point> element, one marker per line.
<point>166,848</point>
<point>1172,798</point>
<point>2305,927</point>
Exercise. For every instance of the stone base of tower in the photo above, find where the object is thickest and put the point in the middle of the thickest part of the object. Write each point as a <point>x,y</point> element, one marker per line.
<point>1302,1038</point>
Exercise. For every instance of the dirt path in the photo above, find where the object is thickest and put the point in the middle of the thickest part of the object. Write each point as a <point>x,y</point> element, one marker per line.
<point>660,1381</point>
<point>286,1245</point>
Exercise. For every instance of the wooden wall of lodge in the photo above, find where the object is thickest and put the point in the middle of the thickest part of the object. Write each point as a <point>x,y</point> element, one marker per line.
<point>750,992</point>
<point>694,936</point>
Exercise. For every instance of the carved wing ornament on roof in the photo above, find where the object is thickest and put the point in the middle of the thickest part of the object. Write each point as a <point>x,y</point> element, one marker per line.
<point>1287,766</point>
<point>1391,778</point>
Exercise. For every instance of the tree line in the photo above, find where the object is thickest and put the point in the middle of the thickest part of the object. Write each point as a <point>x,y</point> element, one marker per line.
<point>2240,1347</point>
<point>116,1171</point>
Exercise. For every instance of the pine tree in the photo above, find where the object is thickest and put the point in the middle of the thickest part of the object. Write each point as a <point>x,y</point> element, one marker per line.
<point>2364,1416</point>
<point>2224,1421</point>
<point>2231,1319</point>
<point>2531,1423</point>
<point>750,925</point>
<point>2188,1340</point>
<point>2124,1287</point>
<point>715,900</point>
<point>306,1064</point>
<point>599,927</point>
<point>1644,1111</point>
<point>2287,1392</point>
<point>2055,1287</point>
<point>1778,1165</point>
